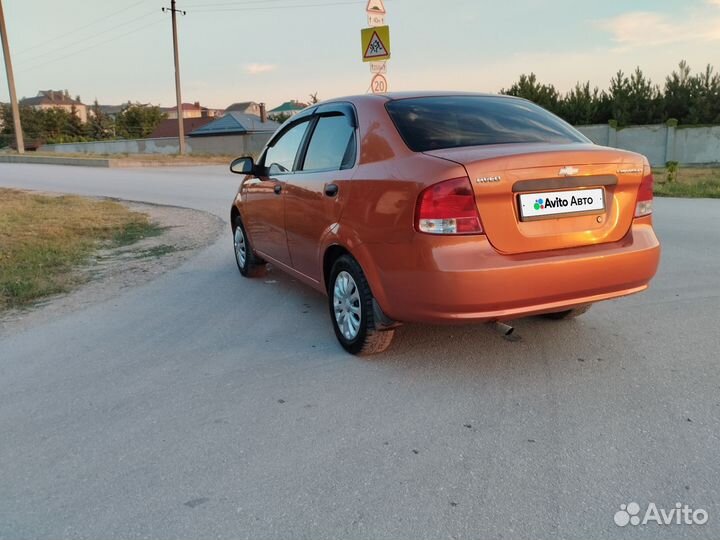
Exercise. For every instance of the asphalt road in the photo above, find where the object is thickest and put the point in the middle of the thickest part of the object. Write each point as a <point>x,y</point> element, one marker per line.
<point>205,405</point>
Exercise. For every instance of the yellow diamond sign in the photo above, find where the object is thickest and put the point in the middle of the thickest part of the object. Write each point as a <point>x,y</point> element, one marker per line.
<point>376,43</point>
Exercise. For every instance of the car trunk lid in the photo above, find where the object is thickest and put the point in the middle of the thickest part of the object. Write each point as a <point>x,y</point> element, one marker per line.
<point>536,197</point>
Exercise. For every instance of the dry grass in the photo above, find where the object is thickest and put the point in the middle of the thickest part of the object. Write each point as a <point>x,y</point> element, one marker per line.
<point>44,237</point>
<point>692,182</point>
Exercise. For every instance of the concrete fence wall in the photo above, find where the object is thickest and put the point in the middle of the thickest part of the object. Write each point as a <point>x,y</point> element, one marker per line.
<point>231,145</point>
<point>662,143</point>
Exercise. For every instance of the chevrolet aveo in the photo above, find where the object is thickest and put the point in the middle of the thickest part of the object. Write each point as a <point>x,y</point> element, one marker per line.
<point>440,208</point>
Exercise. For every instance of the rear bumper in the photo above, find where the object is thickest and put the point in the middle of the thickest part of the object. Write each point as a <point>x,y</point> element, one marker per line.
<point>464,279</point>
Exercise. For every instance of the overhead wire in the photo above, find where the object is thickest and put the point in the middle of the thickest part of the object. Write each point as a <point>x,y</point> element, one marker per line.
<point>79,28</point>
<point>241,3</point>
<point>92,46</point>
<point>207,9</point>
<point>85,39</point>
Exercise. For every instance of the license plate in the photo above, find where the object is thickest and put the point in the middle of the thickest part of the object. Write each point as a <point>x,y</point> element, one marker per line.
<point>556,203</point>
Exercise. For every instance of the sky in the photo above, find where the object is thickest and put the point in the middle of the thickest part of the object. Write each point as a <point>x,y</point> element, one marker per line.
<point>275,50</point>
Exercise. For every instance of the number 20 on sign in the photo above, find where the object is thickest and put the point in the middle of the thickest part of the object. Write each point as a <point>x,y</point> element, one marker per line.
<point>379,84</point>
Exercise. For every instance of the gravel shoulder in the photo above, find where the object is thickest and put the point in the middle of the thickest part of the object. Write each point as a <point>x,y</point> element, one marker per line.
<point>110,271</point>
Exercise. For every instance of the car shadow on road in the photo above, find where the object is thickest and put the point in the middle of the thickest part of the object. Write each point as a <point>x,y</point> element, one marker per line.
<point>593,349</point>
<point>302,329</point>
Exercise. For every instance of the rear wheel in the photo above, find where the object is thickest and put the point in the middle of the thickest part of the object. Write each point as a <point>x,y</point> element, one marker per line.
<point>568,313</point>
<point>351,310</point>
<point>249,264</point>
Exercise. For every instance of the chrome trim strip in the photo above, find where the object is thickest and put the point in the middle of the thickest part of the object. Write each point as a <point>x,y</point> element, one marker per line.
<point>555,184</point>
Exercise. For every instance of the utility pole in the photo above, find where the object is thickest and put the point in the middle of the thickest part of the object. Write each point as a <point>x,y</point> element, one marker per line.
<point>11,84</point>
<point>181,128</point>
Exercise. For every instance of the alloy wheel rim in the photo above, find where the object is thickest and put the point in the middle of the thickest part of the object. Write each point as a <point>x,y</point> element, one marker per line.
<point>240,248</point>
<point>346,303</point>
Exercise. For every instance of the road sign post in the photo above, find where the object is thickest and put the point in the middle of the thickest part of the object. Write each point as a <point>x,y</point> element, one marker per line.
<point>376,45</point>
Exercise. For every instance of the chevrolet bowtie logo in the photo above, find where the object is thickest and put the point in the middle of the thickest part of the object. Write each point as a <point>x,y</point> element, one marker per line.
<point>568,171</point>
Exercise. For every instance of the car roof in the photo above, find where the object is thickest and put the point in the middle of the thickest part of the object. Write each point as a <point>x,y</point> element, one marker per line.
<point>391,96</point>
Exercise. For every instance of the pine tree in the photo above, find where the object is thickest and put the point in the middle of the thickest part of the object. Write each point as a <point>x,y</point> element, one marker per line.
<point>529,88</point>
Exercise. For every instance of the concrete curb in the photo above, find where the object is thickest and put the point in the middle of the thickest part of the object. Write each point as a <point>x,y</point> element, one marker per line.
<point>100,162</point>
<point>44,160</point>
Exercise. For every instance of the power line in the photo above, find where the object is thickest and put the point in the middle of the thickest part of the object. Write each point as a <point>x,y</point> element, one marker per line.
<point>329,4</point>
<point>94,45</point>
<point>93,22</point>
<point>92,36</point>
<point>83,40</point>
<point>241,3</point>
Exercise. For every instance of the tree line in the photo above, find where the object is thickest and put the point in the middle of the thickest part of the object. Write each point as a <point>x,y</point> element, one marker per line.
<point>52,126</point>
<point>685,98</point>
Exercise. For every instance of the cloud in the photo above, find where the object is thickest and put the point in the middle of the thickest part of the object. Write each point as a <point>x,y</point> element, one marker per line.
<point>255,69</point>
<point>646,28</point>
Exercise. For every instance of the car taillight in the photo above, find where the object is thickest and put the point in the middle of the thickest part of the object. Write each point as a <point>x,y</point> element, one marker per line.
<point>448,208</point>
<point>644,204</point>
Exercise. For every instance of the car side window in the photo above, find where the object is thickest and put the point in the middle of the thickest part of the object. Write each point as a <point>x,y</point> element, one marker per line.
<point>332,145</point>
<point>280,157</point>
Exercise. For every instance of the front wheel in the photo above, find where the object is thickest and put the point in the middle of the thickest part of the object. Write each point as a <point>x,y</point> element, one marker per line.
<point>351,310</point>
<point>247,262</point>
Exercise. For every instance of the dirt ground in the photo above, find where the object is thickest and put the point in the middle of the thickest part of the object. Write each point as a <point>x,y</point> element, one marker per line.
<point>109,271</point>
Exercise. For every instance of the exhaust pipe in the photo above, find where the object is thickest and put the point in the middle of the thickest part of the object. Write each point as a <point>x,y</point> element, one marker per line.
<point>503,329</point>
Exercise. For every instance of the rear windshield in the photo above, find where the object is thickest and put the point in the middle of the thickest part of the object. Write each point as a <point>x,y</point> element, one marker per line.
<point>432,123</point>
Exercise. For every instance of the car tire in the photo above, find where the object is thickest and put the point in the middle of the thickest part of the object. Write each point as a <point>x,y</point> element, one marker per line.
<point>568,313</point>
<point>249,264</point>
<point>351,310</point>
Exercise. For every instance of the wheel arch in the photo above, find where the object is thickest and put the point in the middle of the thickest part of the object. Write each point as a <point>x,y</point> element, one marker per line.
<point>234,214</point>
<point>332,253</point>
<point>360,253</point>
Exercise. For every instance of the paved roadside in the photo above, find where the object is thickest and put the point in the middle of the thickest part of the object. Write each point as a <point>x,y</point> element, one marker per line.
<point>202,404</point>
<point>110,271</point>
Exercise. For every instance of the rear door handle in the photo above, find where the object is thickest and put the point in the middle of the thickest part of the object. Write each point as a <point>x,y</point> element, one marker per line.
<point>331,190</point>
<point>277,189</point>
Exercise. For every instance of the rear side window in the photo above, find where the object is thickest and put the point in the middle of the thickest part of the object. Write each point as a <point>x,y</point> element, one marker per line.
<point>332,145</point>
<point>280,157</point>
<point>433,123</point>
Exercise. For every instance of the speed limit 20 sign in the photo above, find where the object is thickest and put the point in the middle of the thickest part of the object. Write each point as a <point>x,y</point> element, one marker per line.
<point>379,84</point>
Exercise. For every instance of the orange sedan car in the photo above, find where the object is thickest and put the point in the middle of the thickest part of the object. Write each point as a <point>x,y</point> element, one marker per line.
<point>444,207</point>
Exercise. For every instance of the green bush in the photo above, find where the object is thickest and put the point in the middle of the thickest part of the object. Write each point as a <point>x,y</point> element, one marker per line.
<point>671,168</point>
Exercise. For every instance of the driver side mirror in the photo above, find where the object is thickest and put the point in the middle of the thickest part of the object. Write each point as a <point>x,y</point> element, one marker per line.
<point>242,165</point>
